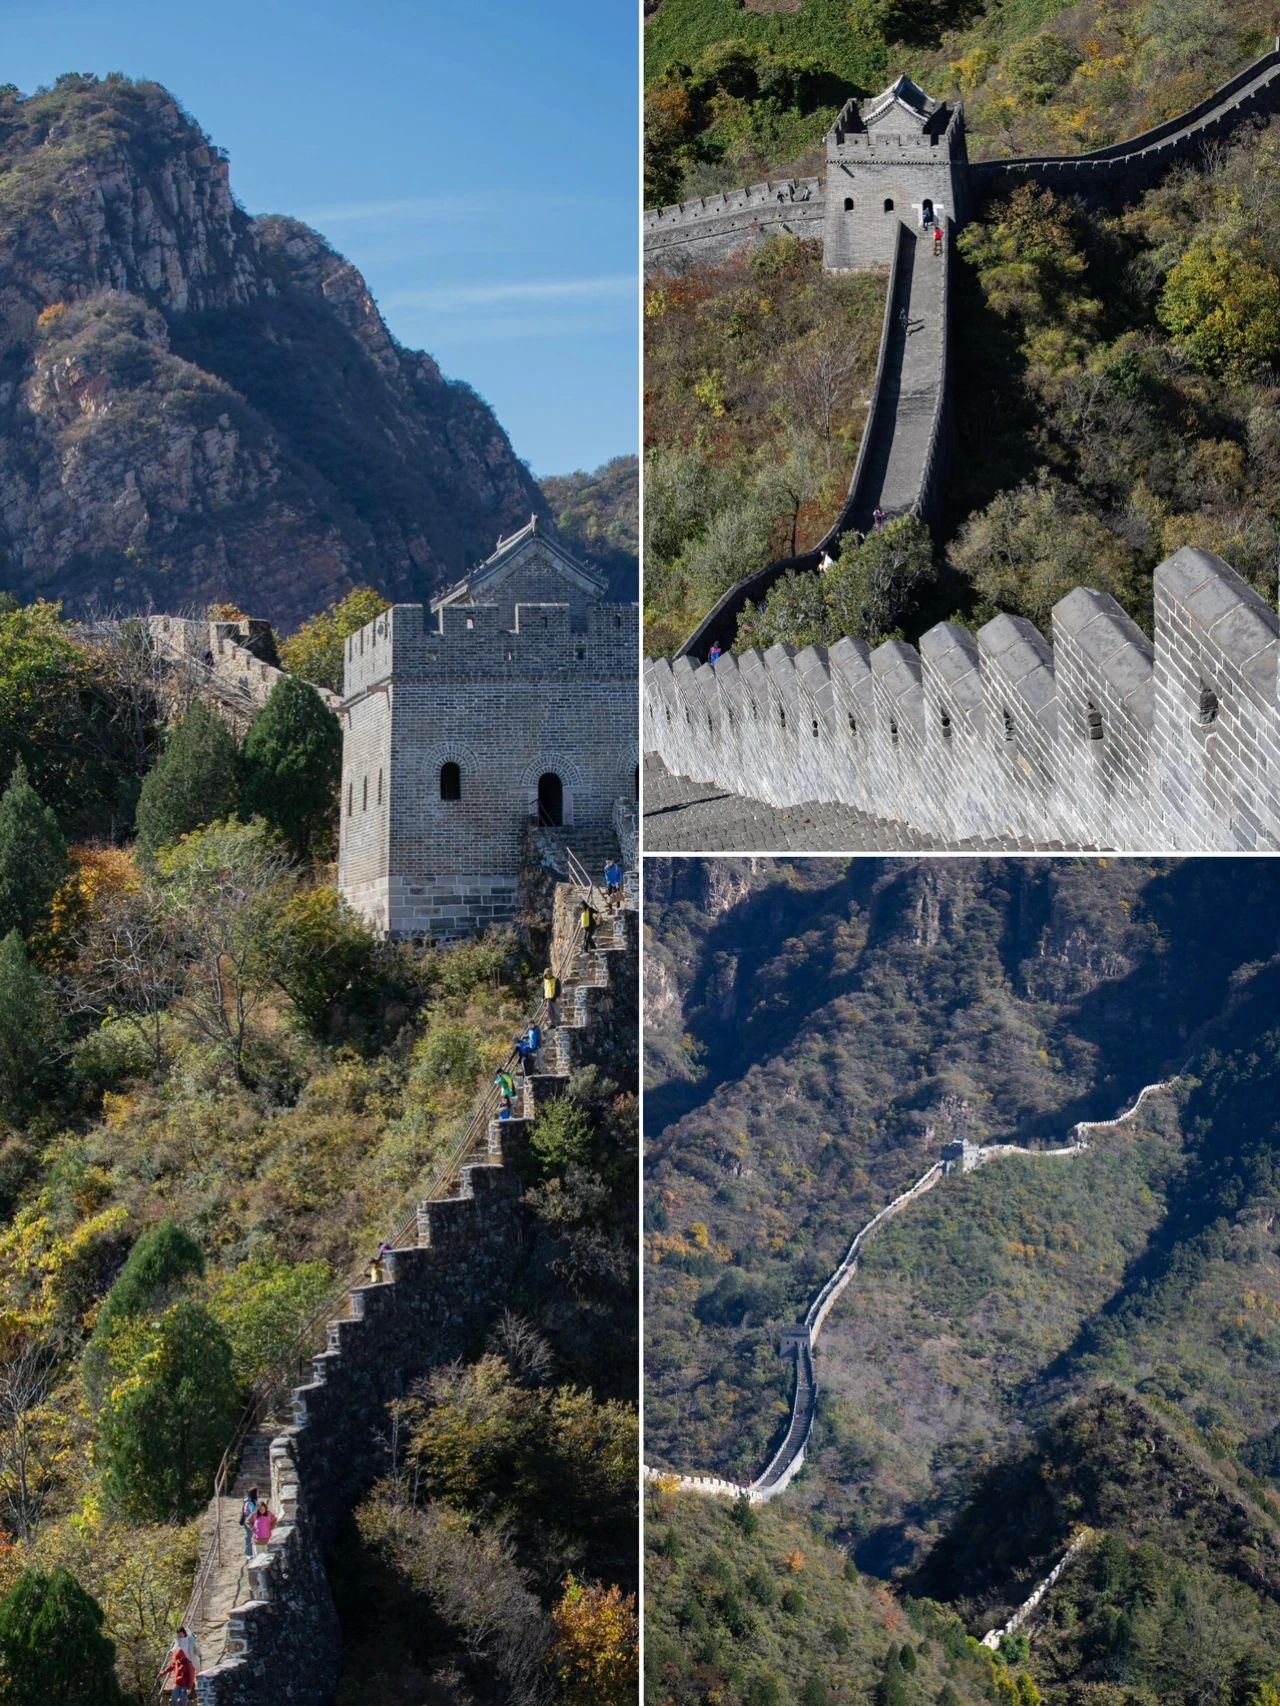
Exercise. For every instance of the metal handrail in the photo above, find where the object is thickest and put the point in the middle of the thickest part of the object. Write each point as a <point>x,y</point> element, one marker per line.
<point>301,1350</point>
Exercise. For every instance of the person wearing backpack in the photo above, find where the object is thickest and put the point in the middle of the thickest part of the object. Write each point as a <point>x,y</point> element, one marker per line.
<point>550,993</point>
<point>588,923</point>
<point>613,883</point>
<point>248,1510</point>
<point>506,1085</point>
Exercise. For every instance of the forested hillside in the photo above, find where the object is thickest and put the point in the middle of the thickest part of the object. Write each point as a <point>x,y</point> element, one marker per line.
<point>1115,371</point>
<point>819,1029</point>
<point>218,1093</point>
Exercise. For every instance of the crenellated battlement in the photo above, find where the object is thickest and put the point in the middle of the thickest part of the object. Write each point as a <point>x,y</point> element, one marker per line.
<point>1100,739</point>
<point>268,1628</point>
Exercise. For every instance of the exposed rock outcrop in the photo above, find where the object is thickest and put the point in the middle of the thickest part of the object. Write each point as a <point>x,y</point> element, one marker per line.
<point>196,405</point>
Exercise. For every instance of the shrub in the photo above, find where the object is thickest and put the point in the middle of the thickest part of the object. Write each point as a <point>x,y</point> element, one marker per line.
<point>315,652</point>
<point>52,1647</point>
<point>30,1030</point>
<point>561,1136</point>
<point>326,952</point>
<point>33,855</point>
<point>162,1262</point>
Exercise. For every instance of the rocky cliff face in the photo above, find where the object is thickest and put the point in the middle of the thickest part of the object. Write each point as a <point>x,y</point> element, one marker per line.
<point>196,405</point>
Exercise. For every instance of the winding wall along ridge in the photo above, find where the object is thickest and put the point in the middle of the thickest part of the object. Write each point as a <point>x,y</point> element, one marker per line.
<point>268,1624</point>
<point>711,228</point>
<point>788,1459</point>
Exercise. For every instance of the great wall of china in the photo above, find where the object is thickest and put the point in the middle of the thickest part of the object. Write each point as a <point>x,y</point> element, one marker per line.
<point>267,1626</point>
<point>1098,740</point>
<point>799,1341</point>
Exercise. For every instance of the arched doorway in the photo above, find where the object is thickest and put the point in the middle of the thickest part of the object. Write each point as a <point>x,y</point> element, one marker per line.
<point>450,781</point>
<point>848,204</point>
<point>888,204</point>
<point>926,212</point>
<point>550,799</point>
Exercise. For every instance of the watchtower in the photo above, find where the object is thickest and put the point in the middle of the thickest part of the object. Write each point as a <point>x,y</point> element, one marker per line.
<point>899,156</point>
<point>511,701</point>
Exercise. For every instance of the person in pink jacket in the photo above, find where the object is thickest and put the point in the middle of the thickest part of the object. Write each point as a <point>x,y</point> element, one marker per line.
<point>263,1523</point>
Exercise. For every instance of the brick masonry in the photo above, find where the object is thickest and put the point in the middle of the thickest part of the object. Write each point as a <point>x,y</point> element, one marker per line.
<point>1101,739</point>
<point>519,672</point>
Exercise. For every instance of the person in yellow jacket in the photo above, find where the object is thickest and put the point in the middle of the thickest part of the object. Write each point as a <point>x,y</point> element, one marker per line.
<point>588,923</point>
<point>550,994</point>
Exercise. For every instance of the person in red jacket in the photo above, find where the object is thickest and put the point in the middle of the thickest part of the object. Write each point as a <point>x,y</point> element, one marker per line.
<point>183,1672</point>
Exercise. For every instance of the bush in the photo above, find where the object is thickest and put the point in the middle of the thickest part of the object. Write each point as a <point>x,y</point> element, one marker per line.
<point>327,952</point>
<point>161,1264</point>
<point>262,1306</point>
<point>561,1136</point>
<point>52,1648</point>
<point>33,855</point>
<point>316,651</point>
<point>448,1054</point>
<point>30,1030</point>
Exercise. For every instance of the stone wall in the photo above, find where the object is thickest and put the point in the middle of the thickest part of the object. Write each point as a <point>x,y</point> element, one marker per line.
<point>1101,739</point>
<point>233,661</point>
<point>440,1298</point>
<point>1127,168</point>
<point>554,692</point>
<point>708,229</point>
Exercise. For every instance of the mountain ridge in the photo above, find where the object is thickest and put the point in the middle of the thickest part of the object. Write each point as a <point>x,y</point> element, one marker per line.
<point>199,406</point>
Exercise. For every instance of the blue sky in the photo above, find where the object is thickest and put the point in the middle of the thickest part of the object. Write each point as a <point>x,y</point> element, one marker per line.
<point>477,162</point>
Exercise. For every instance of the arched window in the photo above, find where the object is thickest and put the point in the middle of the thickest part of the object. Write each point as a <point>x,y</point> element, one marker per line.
<point>848,204</point>
<point>550,799</point>
<point>888,204</point>
<point>450,781</point>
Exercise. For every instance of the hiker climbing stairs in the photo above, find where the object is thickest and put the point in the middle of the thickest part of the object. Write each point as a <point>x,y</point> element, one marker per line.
<point>234,1598</point>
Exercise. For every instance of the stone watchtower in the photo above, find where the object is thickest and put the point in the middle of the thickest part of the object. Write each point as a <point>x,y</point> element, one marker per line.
<point>898,157</point>
<point>510,702</point>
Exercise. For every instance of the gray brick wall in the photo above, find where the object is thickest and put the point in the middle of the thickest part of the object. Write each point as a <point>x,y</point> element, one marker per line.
<point>506,691</point>
<point>1101,739</point>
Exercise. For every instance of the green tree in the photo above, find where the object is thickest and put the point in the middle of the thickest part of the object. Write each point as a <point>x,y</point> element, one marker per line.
<point>326,951</point>
<point>293,764</point>
<point>1222,308</point>
<point>317,650</point>
<point>52,1648</point>
<point>561,1136</point>
<point>30,1029</point>
<point>163,1263</point>
<point>170,1411</point>
<point>227,889</point>
<point>195,781</point>
<point>33,855</point>
<point>1035,544</point>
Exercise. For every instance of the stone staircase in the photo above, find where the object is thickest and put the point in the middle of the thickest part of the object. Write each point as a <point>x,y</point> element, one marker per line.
<point>901,428</point>
<point>240,1602</point>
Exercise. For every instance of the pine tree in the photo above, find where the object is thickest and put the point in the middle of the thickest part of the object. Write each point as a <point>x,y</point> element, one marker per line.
<point>160,1264</point>
<point>33,855</point>
<point>293,764</point>
<point>30,1029</point>
<point>51,1644</point>
<point>165,1425</point>
<point>195,781</point>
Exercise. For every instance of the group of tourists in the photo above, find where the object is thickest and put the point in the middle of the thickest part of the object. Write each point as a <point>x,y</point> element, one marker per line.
<point>789,193</point>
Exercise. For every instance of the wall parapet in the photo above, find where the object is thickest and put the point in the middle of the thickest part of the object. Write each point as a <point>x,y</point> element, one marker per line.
<point>444,1274</point>
<point>1101,740</point>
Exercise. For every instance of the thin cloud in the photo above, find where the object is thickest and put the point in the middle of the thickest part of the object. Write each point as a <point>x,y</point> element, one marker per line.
<point>463,298</point>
